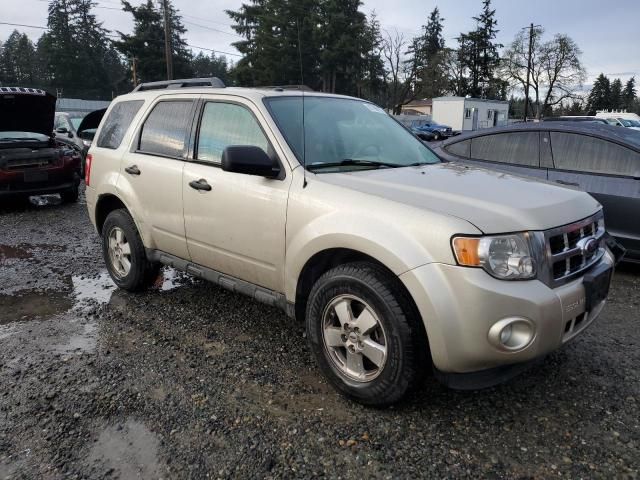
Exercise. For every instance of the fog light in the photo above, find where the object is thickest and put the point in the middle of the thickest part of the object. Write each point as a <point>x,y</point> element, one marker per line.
<point>512,334</point>
<point>505,334</point>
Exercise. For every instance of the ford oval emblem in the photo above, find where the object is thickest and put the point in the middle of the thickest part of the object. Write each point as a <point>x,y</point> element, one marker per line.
<point>588,246</point>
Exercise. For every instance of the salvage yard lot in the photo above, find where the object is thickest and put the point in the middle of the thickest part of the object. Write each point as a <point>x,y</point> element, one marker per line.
<point>188,380</point>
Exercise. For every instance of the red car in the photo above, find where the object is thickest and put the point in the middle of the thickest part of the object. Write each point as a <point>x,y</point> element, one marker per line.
<point>32,160</point>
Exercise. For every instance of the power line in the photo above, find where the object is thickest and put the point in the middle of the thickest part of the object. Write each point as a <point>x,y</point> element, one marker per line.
<point>212,29</point>
<point>118,36</point>
<point>23,25</point>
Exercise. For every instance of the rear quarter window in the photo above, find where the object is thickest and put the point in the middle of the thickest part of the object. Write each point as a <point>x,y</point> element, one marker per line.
<point>460,149</point>
<point>519,148</point>
<point>117,123</point>
<point>583,153</point>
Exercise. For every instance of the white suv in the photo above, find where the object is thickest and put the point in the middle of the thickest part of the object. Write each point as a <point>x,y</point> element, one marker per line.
<point>325,206</point>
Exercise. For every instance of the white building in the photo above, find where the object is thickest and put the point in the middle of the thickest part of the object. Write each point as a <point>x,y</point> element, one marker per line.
<point>461,113</point>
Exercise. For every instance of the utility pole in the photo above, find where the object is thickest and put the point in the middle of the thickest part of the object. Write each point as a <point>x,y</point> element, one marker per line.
<point>526,90</point>
<point>167,41</point>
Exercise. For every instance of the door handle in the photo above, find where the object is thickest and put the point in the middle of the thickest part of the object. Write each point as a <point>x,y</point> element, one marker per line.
<point>133,170</point>
<point>572,184</point>
<point>200,185</point>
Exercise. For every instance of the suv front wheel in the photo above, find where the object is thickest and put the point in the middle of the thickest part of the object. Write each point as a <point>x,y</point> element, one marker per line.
<point>365,333</point>
<point>124,253</point>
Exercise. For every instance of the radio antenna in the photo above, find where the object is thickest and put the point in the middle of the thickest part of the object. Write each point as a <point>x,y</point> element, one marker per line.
<point>304,133</point>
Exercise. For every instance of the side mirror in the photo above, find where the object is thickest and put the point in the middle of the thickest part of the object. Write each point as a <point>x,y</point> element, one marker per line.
<point>249,160</point>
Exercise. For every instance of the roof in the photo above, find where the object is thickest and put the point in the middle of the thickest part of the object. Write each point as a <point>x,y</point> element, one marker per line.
<point>487,100</point>
<point>626,136</point>
<point>254,94</point>
<point>418,103</point>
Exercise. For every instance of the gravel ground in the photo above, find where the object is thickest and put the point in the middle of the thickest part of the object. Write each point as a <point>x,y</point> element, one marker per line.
<point>190,381</point>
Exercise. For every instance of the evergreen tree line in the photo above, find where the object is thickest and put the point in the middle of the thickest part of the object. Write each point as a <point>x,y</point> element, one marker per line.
<point>77,57</point>
<point>331,46</point>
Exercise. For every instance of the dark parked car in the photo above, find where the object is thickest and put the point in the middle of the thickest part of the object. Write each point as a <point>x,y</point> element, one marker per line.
<point>422,135</point>
<point>32,160</point>
<point>600,159</point>
<point>438,131</point>
<point>66,124</point>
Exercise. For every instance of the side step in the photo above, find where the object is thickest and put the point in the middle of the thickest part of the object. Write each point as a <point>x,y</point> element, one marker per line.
<point>233,284</point>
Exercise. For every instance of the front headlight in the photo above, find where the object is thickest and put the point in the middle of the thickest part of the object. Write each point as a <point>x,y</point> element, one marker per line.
<point>86,143</point>
<point>507,257</point>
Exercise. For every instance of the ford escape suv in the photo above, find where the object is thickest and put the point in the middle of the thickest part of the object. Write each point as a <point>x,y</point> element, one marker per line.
<point>326,207</point>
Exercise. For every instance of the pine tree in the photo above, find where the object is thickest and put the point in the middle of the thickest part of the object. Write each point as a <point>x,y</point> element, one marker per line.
<point>600,95</point>
<point>432,79</point>
<point>615,97</point>
<point>371,84</point>
<point>629,94</point>
<point>18,62</point>
<point>206,66</point>
<point>146,43</point>
<point>480,56</point>
<point>280,45</point>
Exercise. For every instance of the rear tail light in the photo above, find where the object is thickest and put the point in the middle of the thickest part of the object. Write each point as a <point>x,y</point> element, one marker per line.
<point>87,169</point>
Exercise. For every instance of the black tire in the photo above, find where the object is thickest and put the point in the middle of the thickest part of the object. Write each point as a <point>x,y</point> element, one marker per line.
<point>406,343</point>
<point>142,272</point>
<point>70,195</point>
<point>436,136</point>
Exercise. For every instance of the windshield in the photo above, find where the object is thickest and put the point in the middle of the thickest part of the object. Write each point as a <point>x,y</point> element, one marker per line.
<point>626,123</point>
<point>346,134</point>
<point>76,121</point>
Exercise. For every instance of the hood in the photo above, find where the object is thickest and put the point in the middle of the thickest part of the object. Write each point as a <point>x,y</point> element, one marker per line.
<point>494,202</point>
<point>91,120</point>
<point>26,110</point>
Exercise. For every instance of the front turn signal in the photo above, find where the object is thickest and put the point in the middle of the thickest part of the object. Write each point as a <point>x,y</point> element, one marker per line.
<point>466,250</point>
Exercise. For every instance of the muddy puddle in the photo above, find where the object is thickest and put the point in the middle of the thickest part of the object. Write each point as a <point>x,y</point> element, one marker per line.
<point>170,279</point>
<point>83,294</point>
<point>32,305</point>
<point>13,252</point>
<point>88,290</point>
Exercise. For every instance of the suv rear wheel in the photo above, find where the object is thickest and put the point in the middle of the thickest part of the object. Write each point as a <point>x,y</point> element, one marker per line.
<point>124,253</point>
<point>365,334</point>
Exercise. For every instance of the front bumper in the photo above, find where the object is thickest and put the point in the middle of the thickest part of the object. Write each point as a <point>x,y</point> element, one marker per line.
<point>459,306</point>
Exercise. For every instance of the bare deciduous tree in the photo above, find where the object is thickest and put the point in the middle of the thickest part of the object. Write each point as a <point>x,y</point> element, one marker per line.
<point>556,70</point>
<point>400,72</point>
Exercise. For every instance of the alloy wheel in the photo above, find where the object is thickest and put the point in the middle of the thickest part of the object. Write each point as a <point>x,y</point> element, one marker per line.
<point>119,252</point>
<point>354,338</point>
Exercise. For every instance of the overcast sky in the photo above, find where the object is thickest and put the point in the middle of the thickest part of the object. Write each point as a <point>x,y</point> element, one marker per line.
<point>606,31</point>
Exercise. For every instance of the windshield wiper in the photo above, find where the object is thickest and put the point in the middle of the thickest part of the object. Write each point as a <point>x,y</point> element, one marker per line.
<point>351,161</point>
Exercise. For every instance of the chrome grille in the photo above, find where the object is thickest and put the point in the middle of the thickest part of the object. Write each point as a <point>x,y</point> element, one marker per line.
<point>566,253</point>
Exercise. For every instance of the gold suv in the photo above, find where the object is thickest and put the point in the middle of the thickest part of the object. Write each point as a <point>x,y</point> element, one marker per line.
<point>325,206</point>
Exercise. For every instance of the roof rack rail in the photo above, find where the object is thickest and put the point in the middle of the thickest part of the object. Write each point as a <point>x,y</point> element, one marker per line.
<point>214,82</point>
<point>286,87</point>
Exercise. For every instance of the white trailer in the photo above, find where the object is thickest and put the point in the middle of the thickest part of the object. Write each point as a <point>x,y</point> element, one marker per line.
<point>465,113</point>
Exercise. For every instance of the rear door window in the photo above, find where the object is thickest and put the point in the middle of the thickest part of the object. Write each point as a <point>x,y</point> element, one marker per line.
<point>583,153</point>
<point>225,124</point>
<point>460,149</point>
<point>165,130</point>
<point>117,123</point>
<point>516,148</point>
